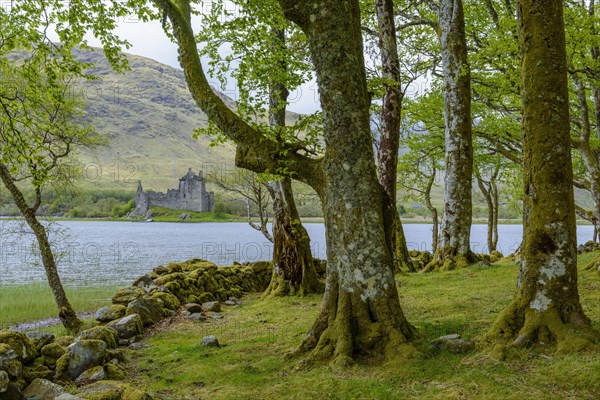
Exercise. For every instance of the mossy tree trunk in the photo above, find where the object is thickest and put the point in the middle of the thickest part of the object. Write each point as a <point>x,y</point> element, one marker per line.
<point>546,308</point>
<point>391,114</point>
<point>293,270</point>
<point>454,249</point>
<point>361,314</point>
<point>433,210</point>
<point>66,313</point>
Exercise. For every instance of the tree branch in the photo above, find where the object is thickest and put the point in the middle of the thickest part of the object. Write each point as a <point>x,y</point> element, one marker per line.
<point>255,151</point>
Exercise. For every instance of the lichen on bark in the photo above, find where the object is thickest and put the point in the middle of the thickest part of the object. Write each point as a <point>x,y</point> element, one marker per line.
<point>294,272</point>
<point>454,248</point>
<point>361,312</point>
<point>546,309</point>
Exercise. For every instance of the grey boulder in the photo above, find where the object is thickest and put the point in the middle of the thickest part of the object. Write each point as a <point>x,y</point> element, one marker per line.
<point>41,389</point>
<point>79,357</point>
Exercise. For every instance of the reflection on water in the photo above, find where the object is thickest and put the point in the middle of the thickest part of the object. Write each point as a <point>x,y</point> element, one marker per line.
<point>116,252</point>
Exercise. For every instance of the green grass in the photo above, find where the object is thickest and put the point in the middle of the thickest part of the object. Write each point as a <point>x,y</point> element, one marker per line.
<point>30,302</point>
<point>160,214</point>
<point>257,335</point>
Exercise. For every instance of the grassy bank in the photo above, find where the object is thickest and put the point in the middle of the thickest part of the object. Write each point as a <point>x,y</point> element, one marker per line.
<point>257,334</point>
<point>30,302</point>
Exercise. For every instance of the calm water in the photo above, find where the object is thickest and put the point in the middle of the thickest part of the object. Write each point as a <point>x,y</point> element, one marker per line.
<point>117,252</point>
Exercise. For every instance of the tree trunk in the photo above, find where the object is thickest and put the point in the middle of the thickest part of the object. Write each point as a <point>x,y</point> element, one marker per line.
<point>433,210</point>
<point>361,314</point>
<point>391,113</point>
<point>454,249</point>
<point>293,270</point>
<point>496,205</point>
<point>589,155</point>
<point>491,199</point>
<point>66,313</point>
<point>546,308</point>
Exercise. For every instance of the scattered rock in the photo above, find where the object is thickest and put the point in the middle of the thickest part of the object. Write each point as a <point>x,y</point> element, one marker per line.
<point>210,341</point>
<point>198,317</point>
<point>42,389</point>
<point>107,335</point>
<point>94,374</point>
<point>80,356</point>
<point>138,346</point>
<point>211,306</point>
<point>4,381</point>
<point>150,310</point>
<point>235,300</point>
<point>453,343</point>
<point>127,327</point>
<point>215,315</point>
<point>20,343</point>
<point>110,313</point>
<point>230,303</point>
<point>40,339</point>
<point>192,308</point>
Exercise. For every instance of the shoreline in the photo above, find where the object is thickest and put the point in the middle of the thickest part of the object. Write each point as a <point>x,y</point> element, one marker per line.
<point>405,221</point>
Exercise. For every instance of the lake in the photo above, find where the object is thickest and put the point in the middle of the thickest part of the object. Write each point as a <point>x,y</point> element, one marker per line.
<point>103,252</point>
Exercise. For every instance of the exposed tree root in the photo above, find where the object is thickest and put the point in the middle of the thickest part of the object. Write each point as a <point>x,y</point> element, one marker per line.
<point>446,260</point>
<point>348,328</point>
<point>525,327</point>
<point>70,320</point>
<point>593,265</point>
<point>294,270</point>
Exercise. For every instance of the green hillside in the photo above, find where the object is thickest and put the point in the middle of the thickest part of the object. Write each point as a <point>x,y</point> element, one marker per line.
<point>148,116</point>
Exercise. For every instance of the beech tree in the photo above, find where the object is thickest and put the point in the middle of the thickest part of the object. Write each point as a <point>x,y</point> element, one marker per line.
<point>546,308</point>
<point>361,313</point>
<point>40,126</point>
<point>41,123</point>
<point>448,23</point>
<point>454,247</point>
<point>423,137</point>
<point>268,67</point>
<point>389,136</point>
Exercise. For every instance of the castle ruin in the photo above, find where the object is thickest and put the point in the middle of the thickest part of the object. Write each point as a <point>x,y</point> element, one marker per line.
<point>190,196</point>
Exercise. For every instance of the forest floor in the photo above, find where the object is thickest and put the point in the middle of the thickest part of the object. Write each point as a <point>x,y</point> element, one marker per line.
<point>257,334</point>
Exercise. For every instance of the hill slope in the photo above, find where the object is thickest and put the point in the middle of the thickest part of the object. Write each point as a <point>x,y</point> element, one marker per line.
<point>148,116</point>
